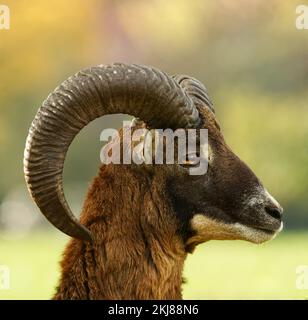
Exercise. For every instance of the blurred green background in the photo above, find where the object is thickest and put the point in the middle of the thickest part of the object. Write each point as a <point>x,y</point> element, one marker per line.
<point>253,61</point>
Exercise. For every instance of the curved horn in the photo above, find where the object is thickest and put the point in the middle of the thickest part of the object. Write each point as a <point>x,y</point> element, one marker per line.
<point>194,89</point>
<point>143,92</point>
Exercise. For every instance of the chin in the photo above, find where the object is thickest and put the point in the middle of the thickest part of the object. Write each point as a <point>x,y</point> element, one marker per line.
<point>207,228</point>
<point>255,235</point>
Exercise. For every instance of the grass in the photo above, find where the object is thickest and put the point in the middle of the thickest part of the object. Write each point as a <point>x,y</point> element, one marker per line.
<point>216,270</point>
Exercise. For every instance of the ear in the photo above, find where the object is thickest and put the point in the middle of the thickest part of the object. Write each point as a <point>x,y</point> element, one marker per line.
<point>142,143</point>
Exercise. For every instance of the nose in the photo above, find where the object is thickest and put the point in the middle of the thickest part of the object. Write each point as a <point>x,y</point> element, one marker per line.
<point>274,210</point>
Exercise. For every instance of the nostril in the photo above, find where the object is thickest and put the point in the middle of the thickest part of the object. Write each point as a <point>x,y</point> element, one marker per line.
<point>275,212</point>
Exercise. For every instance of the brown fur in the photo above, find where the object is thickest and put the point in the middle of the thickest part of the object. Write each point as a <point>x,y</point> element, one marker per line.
<point>137,252</point>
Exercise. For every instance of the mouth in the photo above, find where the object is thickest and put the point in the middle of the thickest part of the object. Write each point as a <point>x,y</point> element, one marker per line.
<point>258,234</point>
<point>268,230</point>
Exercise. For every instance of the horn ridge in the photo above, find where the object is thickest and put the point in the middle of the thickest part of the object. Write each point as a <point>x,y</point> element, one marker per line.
<point>144,92</point>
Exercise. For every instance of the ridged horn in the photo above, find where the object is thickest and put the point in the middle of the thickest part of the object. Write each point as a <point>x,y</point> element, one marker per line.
<point>141,91</point>
<point>195,90</point>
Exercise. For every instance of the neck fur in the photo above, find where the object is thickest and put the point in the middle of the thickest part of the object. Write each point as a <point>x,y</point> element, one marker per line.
<point>137,252</point>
